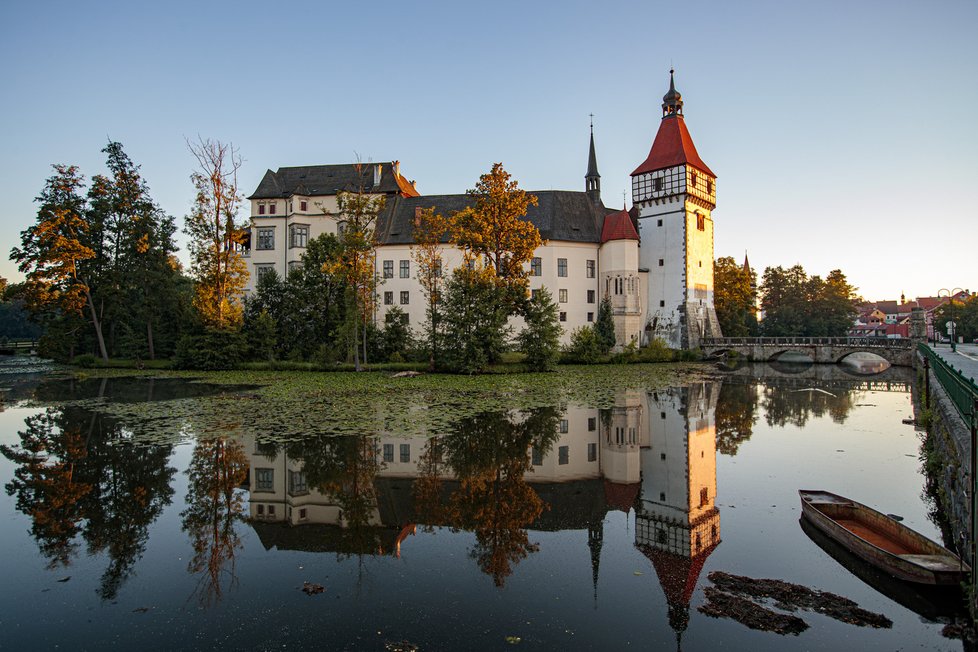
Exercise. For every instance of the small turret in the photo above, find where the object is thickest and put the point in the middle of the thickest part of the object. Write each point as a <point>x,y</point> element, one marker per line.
<point>672,101</point>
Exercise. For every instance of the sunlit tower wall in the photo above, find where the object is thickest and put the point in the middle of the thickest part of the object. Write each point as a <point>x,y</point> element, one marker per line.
<point>675,193</point>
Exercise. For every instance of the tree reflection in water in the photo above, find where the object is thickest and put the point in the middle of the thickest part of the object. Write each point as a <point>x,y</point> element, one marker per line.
<point>217,469</point>
<point>735,415</point>
<point>78,474</point>
<point>489,456</point>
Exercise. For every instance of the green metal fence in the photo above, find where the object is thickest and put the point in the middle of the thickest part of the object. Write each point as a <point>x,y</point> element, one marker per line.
<point>962,391</point>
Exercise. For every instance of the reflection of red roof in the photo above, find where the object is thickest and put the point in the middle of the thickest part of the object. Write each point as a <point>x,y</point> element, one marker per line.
<point>678,574</point>
<point>618,226</point>
<point>672,146</point>
<point>621,496</point>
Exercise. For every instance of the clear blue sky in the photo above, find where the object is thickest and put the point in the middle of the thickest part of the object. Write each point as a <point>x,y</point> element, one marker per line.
<point>844,134</point>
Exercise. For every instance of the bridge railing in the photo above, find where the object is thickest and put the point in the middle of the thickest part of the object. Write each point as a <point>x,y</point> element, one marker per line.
<point>962,391</point>
<point>862,342</point>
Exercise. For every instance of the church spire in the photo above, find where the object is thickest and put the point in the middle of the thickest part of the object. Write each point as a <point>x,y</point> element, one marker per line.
<point>672,101</point>
<point>595,537</point>
<point>592,180</point>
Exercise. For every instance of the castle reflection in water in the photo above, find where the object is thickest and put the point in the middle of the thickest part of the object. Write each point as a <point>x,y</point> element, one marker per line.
<point>556,469</point>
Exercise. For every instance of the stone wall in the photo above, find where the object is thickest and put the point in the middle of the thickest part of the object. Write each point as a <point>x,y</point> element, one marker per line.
<point>949,440</point>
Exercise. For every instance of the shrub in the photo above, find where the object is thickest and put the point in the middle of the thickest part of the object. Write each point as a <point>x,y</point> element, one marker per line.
<point>212,350</point>
<point>85,360</point>
<point>584,346</point>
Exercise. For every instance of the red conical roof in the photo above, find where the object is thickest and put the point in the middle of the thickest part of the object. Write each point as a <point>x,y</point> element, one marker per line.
<point>672,146</point>
<point>618,226</point>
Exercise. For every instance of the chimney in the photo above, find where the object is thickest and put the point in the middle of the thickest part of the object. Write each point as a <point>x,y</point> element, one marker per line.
<point>377,169</point>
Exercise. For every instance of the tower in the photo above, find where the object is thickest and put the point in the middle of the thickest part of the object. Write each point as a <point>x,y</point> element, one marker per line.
<point>675,194</point>
<point>592,180</point>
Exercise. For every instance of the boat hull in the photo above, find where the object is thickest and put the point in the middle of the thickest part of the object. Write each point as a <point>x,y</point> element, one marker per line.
<point>882,541</point>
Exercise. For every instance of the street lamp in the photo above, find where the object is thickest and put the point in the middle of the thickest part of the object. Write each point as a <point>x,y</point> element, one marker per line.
<point>951,325</point>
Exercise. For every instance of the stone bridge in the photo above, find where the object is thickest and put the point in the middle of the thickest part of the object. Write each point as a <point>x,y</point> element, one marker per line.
<point>822,350</point>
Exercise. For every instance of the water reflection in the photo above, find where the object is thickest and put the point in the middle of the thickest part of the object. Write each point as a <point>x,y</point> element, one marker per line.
<point>214,506</point>
<point>77,477</point>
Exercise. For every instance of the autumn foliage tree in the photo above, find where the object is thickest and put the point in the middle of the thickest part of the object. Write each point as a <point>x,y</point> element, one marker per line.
<point>215,235</point>
<point>53,254</point>
<point>495,228</point>
<point>358,211</point>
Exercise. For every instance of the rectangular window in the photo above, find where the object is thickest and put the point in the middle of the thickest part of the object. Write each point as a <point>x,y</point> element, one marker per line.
<point>261,270</point>
<point>271,510</point>
<point>709,186</point>
<point>590,296</point>
<point>563,454</point>
<point>534,294</point>
<point>536,267</point>
<point>562,296</point>
<point>261,211</point>
<point>694,179</point>
<point>592,452</point>
<point>405,452</point>
<point>700,222</point>
<point>561,267</point>
<point>658,222</point>
<point>294,265</point>
<point>299,235</point>
<point>388,298</point>
<point>266,238</point>
<point>405,297</point>
<point>662,304</point>
<point>564,425</point>
<point>704,496</point>
<point>388,452</point>
<point>303,514</point>
<point>590,316</point>
<point>271,208</point>
<point>537,456</point>
<point>302,205</point>
<point>590,269</point>
<point>405,269</point>
<point>388,269</point>
<point>563,316</point>
<point>657,184</point>
<point>592,424</point>
<point>264,479</point>
<point>297,482</point>
<point>661,262</point>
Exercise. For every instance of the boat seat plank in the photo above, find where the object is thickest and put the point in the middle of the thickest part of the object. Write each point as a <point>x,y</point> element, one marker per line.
<point>878,539</point>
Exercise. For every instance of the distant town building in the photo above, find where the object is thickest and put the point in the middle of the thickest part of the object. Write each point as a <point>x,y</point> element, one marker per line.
<point>892,318</point>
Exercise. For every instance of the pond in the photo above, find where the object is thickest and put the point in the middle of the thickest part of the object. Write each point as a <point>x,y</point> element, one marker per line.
<point>582,510</point>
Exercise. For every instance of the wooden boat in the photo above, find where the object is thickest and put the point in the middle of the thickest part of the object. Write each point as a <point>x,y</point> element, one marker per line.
<point>882,541</point>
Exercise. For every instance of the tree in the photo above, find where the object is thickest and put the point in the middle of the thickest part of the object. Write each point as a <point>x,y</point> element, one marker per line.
<point>133,242</point>
<point>53,255</point>
<point>475,335</point>
<point>358,211</point>
<point>495,228</point>
<point>795,304</point>
<point>734,298</point>
<point>429,229</point>
<point>397,340</point>
<point>540,340</point>
<point>215,235</point>
<point>604,326</point>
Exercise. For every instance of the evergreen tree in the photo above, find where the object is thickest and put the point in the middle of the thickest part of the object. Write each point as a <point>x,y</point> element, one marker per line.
<point>734,298</point>
<point>475,335</point>
<point>540,340</point>
<point>604,326</point>
<point>397,340</point>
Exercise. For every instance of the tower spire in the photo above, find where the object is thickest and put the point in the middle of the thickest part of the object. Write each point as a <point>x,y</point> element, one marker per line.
<point>592,180</point>
<point>672,101</point>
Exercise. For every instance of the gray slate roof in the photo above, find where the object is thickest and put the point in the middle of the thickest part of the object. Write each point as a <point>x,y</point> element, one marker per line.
<point>559,215</point>
<point>317,180</point>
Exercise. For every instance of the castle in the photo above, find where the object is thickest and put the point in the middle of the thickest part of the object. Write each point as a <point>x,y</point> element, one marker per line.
<point>654,262</point>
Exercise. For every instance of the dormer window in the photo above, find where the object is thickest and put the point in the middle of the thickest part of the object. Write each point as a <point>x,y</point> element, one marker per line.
<point>261,209</point>
<point>302,205</point>
<point>271,208</point>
